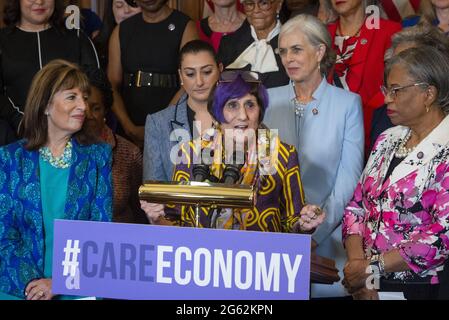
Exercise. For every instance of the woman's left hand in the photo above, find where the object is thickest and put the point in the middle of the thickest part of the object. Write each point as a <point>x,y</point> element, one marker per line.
<point>39,290</point>
<point>311,216</point>
<point>355,272</point>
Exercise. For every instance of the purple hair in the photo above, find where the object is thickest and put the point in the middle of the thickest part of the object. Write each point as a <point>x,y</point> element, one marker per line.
<point>225,91</point>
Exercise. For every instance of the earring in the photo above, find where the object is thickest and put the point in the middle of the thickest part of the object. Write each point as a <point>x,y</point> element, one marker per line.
<point>427,109</point>
<point>182,83</point>
<point>278,16</point>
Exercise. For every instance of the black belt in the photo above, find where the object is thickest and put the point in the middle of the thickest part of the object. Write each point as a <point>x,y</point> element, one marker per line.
<point>150,79</point>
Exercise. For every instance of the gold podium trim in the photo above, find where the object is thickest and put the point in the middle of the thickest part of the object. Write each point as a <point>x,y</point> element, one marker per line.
<point>198,193</point>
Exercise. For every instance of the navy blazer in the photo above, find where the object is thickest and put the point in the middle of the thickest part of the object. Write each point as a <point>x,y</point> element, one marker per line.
<point>164,130</point>
<point>89,197</point>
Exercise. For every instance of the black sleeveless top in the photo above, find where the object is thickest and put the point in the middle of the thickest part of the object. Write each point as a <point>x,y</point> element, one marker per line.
<point>150,47</point>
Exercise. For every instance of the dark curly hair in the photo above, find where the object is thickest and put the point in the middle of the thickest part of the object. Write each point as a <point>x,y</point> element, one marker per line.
<point>12,13</point>
<point>99,80</point>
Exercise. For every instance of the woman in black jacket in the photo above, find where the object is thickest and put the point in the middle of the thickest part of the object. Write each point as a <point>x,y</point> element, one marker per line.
<point>35,34</point>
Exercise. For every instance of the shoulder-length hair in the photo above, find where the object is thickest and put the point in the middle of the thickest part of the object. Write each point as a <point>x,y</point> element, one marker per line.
<point>12,14</point>
<point>427,11</point>
<point>56,76</point>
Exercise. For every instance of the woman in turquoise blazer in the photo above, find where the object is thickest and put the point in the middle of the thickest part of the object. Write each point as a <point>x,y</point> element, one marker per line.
<point>55,172</point>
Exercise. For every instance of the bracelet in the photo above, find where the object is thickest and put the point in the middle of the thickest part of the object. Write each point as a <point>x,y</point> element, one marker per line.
<point>382,264</point>
<point>378,261</point>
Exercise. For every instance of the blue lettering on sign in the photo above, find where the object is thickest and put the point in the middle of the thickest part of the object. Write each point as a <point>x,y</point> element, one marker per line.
<point>127,259</point>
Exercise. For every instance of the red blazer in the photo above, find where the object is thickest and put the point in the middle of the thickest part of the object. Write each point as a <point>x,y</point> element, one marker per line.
<point>367,73</point>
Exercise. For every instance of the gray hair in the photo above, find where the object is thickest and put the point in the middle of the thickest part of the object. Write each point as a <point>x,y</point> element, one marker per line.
<point>421,35</point>
<point>429,65</point>
<point>317,34</point>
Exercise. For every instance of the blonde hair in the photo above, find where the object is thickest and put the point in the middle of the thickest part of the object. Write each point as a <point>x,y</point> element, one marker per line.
<point>427,11</point>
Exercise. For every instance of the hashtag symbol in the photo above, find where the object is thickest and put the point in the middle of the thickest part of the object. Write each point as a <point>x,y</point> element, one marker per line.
<point>70,262</point>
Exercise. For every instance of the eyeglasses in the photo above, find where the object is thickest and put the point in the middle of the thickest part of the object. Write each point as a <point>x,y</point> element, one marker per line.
<point>392,92</point>
<point>232,75</point>
<point>264,5</point>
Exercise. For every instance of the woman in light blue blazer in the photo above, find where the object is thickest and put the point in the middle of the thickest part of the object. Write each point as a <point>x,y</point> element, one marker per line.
<point>165,130</point>
<point>325,124</point>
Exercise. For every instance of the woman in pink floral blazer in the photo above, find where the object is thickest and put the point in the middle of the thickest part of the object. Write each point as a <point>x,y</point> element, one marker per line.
<point>397,223</point>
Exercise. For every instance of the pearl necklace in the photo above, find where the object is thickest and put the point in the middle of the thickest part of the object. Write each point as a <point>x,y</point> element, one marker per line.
<point>63,161</point>
<point>403,151</point>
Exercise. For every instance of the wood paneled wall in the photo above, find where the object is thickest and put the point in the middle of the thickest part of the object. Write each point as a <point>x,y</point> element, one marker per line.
<point>193,8</point>
<point>2,4</point>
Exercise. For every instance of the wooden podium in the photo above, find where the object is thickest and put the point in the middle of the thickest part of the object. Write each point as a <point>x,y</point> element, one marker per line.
<point>323,270</point>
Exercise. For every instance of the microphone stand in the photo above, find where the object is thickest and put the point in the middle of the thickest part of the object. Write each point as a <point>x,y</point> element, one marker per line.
<point>197,215</point>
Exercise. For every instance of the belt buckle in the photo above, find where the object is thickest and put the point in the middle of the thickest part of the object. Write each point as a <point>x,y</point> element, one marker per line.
<point>138,79</point>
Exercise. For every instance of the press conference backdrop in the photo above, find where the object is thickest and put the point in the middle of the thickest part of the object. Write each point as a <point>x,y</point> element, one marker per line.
<point>127,261</point>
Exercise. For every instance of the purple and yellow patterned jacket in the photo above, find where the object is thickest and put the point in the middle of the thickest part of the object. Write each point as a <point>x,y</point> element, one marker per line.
<point>280,196</point>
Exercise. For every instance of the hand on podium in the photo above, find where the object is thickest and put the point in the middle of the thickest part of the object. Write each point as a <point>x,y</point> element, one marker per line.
<point>154,211</point>
<point>310,217</point>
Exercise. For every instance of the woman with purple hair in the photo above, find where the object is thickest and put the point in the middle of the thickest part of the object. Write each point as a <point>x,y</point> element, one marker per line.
<point>237,104</point>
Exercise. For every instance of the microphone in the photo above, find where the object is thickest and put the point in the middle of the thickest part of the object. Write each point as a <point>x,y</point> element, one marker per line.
<point>200,172</point>
<point>231,172</point>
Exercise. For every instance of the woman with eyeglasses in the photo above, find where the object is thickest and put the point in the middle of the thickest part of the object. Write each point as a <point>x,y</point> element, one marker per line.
<point>199,70</point>
<point>325,124</point>
<point>416,36</point>
<point>397,220</point>
<point>253,47</point>
<point>35,34</point>
<point>237,105</point>
<point>360,40</point>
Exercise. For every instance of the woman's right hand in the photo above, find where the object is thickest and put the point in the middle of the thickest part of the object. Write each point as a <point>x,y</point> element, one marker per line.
<point>154,211</point>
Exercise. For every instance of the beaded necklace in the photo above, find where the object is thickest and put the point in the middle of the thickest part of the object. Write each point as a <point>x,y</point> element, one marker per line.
<point>63,161</point>
<point>403,151</point>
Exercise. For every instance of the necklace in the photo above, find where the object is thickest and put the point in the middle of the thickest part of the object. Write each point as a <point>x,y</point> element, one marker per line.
<point>45,27</point>
<point>301,104</point>
<point>63,161</point>
<point>403,151</point>
<point>357,34</point>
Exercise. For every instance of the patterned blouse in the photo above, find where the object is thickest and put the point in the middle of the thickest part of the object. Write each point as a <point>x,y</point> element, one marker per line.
<point>409,210</point>
<point>345,47</point>
<point>280,196</point>
<point>126,178</point>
